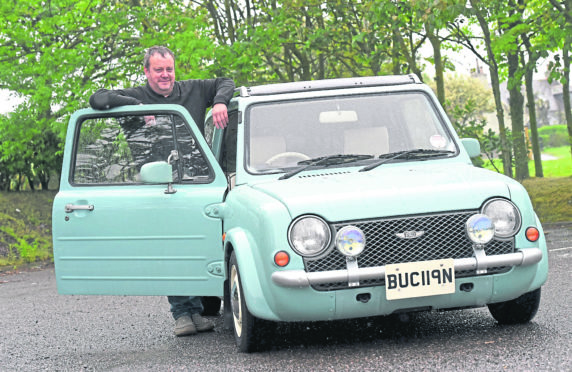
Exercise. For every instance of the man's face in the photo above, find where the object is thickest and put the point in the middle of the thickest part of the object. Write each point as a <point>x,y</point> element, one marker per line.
<point>161,74</point>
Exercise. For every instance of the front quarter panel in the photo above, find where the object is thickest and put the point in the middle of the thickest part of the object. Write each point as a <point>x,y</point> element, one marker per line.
<point>256,227</point>
<point>520,197</point>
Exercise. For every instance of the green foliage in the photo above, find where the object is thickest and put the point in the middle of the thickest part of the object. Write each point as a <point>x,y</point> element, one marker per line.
<point>558,165</point>
<point>468,94</point>
<point>553,136</point>
<point>551,198</point>
<point>25,227</point>
<point>475,128</point>
<point>28,148</point>
<point>55,54</point>
<point>469,100</point>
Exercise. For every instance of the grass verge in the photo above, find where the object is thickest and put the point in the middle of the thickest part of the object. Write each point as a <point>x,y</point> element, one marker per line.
<point>561,166</point>
<point>558,164</point>
<point>25,227</point>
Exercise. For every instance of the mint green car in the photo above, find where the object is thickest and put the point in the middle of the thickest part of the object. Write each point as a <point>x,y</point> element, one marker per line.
<point>321,200</point>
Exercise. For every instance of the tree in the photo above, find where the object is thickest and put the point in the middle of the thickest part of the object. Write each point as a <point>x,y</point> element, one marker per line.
<point>538,39</point>
<point>436,16</point>
<point>52,54</point>
<point>511,27</point>
<point>467,91</point>
<point>56,54</point>
<point>401,24</point>
<point>469,100</point>
<point>563,15</point>
<point>267,41</point>
<point>483,13</point>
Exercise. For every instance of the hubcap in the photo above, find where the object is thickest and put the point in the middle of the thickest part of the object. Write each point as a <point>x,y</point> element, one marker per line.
<point>235,300</point>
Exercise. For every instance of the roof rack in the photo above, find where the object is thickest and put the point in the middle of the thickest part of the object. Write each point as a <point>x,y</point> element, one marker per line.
<point>341,83</point>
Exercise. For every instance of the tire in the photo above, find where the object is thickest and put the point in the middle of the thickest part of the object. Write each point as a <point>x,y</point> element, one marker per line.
<point>246,327</point>
<point>517,311</point>
<point>211,305</point>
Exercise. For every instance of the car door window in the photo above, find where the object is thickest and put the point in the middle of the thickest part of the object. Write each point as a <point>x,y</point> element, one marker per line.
<point>112,150</point>
<point>227,159</point>
<point>192,163</point>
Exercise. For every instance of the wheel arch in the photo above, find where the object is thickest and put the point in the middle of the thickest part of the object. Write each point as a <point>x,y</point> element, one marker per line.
<point>244,246</point>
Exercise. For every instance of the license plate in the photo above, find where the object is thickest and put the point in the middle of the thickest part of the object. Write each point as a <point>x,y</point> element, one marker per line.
<point>419,279</point>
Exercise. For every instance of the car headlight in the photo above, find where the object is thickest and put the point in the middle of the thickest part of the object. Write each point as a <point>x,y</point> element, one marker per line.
<point>480,229</point>
<point>505,216</point>
<point>350,241</point>
<point>309,236</point>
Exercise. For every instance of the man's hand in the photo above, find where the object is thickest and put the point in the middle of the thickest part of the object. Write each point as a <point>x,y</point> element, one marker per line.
<point>220,115</point>
<point>149,121</point>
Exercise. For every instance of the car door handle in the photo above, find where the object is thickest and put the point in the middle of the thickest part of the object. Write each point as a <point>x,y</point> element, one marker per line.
<point>70,208</point>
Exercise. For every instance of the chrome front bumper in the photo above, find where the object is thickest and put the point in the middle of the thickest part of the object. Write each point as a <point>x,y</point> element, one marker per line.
<point>301,279</point>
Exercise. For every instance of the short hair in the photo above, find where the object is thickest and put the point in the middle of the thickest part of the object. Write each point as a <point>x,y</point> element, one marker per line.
<point>163,51</point>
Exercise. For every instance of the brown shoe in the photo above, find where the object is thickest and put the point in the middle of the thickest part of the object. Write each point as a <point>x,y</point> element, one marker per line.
<point>184,326</point>
<point>202,324</point>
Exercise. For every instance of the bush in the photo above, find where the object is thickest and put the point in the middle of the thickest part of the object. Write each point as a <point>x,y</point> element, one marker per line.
<point>25,227</point>
<point>551,198</point>
<point>553,136</point>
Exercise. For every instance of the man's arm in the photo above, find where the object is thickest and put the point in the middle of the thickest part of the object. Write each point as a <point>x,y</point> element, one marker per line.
<point>224,90</point>
<point>220,115</point>
<point>104,99</point>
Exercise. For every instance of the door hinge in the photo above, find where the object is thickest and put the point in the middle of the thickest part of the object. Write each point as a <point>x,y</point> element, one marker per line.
<point>215,268</point>
<point>215,210</point>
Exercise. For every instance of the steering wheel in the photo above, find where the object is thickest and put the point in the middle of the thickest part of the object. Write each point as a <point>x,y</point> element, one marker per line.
<point>286,158</point>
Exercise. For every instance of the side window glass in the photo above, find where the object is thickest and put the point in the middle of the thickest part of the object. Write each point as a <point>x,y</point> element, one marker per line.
<point>111,150</point>
<point>192,162</point>
<point>209,131</point>
<point>228,159</point>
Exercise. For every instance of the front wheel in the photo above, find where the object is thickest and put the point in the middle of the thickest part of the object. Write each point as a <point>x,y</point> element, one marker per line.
<point>247,332</point>
<point>519,310</point>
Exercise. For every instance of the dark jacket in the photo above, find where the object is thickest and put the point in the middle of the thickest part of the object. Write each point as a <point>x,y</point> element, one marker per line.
<point>195,95</point>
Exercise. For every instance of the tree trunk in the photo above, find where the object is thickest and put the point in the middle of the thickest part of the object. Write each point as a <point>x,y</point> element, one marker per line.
<point>396,56</point>
<point>4,182</point>
<point>409,57</point>
<point>44,179</point>
<point>31,183</point>
<point>529,67</point>
<point>566,87</point>
<point>528,76</point>
<point>495,85</point>
<point>438,60</point>
<point>516,101</point>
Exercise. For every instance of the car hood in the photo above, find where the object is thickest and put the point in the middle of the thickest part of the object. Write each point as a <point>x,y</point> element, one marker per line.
<point>346,194</point>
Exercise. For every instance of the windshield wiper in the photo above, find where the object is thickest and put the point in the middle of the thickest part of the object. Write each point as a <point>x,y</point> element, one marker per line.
<point>406,154</point>
<point>325,160</point>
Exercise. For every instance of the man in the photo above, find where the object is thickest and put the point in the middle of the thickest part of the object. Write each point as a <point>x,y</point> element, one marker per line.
<point>196,96</point>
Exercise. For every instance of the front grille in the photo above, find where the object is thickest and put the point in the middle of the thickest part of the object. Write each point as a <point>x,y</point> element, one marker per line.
<point>443,237</point>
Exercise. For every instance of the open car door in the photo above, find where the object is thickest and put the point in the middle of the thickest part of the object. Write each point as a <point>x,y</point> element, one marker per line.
<point>119,226</point>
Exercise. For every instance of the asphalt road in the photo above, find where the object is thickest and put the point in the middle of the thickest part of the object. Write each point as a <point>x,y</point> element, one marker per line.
<point>43,331</point>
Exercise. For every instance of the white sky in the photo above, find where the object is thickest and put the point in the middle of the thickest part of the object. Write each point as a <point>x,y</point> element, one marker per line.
<point>7,102</point>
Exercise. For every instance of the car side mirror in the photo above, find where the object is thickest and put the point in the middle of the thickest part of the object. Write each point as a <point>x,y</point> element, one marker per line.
<point>157,172</point>
<point>472,146</point>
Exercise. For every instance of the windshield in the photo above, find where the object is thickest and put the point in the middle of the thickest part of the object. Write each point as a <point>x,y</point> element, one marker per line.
<point>284,135</point>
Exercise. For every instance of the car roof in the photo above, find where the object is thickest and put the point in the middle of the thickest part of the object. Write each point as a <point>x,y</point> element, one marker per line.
<point>340,83</point>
